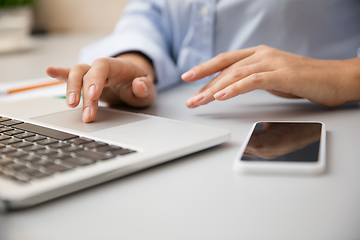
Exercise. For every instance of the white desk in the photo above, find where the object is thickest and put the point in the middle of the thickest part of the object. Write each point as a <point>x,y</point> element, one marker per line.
<point>200,197</point>
<point>58,50</point>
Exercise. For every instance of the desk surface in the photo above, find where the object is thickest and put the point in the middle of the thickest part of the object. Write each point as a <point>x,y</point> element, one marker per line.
<point>58,50</point>
<point>200,197</point>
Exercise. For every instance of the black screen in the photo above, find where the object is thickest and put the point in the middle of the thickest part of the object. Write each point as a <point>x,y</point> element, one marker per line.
<point>284,141</point>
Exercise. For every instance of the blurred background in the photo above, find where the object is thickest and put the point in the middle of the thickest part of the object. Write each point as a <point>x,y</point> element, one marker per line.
<point>77,16</point>
<point>35,34</point>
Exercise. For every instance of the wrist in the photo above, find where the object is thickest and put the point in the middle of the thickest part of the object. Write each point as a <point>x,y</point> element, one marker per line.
<point>351,79</point>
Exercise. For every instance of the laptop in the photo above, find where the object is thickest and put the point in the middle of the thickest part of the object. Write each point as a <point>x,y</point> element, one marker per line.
<point>46,151</point>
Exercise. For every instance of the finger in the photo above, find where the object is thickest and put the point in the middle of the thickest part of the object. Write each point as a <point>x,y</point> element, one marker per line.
<point>233,69</point>
<point>262,80</point>
<point>143,92</point>
<point>206,94</point>
<point>60,74</point>
<point>140,87</point>
<point>199,95</point>
<point>89,110</point>
<point>250,60</point>
<point>75,82</point>
<point>118,74</point>
<point>93,83</point>
<point>216,64</point>
<point>233,73</point>
<point>95,78</point>
<point>110,72</point>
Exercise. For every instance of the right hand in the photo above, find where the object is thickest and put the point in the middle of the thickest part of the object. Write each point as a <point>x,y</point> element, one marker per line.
<point>128,78</point>
<point>327,82</point>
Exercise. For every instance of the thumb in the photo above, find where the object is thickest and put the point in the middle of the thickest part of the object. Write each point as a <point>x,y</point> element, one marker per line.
<point>140,92</point>
<point>143,92</point>
<point>60,74</point>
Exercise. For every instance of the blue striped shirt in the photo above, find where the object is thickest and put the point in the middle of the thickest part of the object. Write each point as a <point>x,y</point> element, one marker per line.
<point>180,34</point>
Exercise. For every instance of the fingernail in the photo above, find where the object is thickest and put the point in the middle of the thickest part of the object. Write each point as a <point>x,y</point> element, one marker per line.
<point>71,98</point>
<point>92,89</point>
<point>189,102</point>
<point>188,75</point>
<point>197,98</point>
<point>86,113</point>
<point>144,86</point>
<point>220,94</point>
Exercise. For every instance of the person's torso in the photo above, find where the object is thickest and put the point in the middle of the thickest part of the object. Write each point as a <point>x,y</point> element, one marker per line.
<point>201,29</point>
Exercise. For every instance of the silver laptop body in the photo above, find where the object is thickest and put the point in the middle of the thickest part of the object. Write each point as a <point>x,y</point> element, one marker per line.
<point>125,142</point>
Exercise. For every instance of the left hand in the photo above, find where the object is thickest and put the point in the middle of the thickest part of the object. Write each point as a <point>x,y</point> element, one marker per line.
<point>327,82</point>
<point>128,78</point>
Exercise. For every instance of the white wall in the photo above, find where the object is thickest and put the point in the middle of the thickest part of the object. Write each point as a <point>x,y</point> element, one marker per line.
<point>77,15</point>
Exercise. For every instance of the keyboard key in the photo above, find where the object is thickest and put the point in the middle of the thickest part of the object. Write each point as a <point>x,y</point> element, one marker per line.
<point>72,148</point>
<point>7,150</point>
<point>59,145</point>
<point>45,131</point>
<point>95,144</point>
<point>34,173</point>
<point>22,177</point>
<point>5,129</point>
<point>25,135</point>
<point>40,175</point>
<point>47,141</point>
<point>9,176</point>
<point>11,122</point>
<point>79,140</point>
<point>5,161</point>
<point>13,132</point>
<point>15,166</point>
<point>93,155</point>
<point>45,151</point>
<point>9,171</point>
<point>59,155</point>
<point>109,148</point>
<point>35,138</point>
<point>33,148</point>
<point>41,163</point>
<point>2,119</point>
<point>29,158</point>
<point>29,171</point>
<point>124,151</point>
<point>79,161</point>
<point>4,137</point>
<point>22,144</point>
<point>58,168</point>
<point>15,154</point>
<point>10,141</point>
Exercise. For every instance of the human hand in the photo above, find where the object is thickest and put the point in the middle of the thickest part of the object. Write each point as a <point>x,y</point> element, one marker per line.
<point>327,82</point>
<point>128,79</point>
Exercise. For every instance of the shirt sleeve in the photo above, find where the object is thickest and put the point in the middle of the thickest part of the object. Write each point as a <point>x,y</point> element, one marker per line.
<point>142,28</point>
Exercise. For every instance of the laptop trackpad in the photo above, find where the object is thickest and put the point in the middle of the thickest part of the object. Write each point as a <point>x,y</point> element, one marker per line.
<point>105,118</point>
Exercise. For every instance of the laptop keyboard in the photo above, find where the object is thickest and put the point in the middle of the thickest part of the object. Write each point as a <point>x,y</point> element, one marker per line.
<point>29,151</point>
